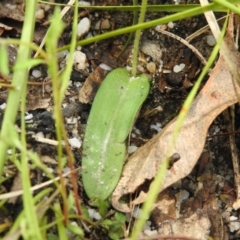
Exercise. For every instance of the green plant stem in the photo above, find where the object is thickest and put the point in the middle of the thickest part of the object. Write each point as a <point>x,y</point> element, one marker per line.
<point>135,15</point>
<point>19,80</point>
<point>155,8</point>
<point>228,5</point>
<point>174,17</point>
<point>64,85</point>
<point>137,38</point>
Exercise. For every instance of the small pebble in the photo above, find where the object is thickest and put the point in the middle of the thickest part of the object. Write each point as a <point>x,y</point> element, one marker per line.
<point>84,3</point>
<point>151,233</point>
<point>211,40</point>
<point>74,142</point>
<point>48,88</point>
<point>178,68</point>
<point>137,212</point>
<point>156,127</point>
<point>3,106</point>
<point>62,54</point>
<point>105,67</point>
<point>83,27</point>
<point>170,25</point>
<point>28,117</point>
<point>93,214</point>
<point>40,14</point>
<point>174,79</point>
<point>132,149</point>
<point>151,49</point>
<point>234,226</point>
<point>140,68</point>
<point>102,24</point>
<point>36,73</point>
<point>151,67</point>
<point>80,60</point>
<point>39,135</point>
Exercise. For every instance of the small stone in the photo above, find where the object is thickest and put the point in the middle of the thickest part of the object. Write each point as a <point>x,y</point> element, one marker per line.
<point>62,54</point>
<point>36,73</point>
<point>103,24</point>
<point>178,68</point>
<point>3,106</point>
<point>151,67</point>
<point>174,79</point>
<point>40,14</point>
<point>211,40</point>
<point>74,142</point>
<point>132,149</point>
<point>105,67</point>
<point>84,3</point>
<point>151,49</point>
<point>170,25</point>
<point>83,27</point>
<point>80,60</point>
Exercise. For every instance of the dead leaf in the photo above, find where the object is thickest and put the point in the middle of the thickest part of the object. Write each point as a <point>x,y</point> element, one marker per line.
<point>7,12</point>
<point>203,161</point>
<point>91,85</point>
<point>218,94</point>
<point>197,226</point>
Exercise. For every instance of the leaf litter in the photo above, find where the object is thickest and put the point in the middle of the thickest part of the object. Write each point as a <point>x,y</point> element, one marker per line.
<point>218,93</point>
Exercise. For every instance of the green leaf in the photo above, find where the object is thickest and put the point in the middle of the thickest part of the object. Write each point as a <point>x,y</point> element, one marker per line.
<point>113,112</point>
<point>120,217</point>
<point>116,231</point>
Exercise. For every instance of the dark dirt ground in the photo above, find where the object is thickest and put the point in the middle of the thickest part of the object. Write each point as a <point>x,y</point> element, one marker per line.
<point>214,171</point>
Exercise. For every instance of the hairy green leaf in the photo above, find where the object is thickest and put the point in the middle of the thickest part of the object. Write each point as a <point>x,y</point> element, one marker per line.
<point>111,119</point>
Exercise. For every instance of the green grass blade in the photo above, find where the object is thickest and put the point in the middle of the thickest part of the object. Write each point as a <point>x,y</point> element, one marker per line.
<point>19,79</point>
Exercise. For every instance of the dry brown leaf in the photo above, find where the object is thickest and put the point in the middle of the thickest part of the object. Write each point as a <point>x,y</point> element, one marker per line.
<point>91,85</point>
<point>197,226</point>
<point>218,94</point>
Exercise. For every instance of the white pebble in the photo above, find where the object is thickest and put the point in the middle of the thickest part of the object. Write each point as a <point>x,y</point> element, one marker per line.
<point>93,214</point>
<point>47,7</point>
<point>105,67</point>
<point>170,25</point>
<point>36,73</point>
<point>62,54</point>
<point>40,14</point>
<point>84,3</point>
<point>211,40</point>
<point>83,27</point>
<point>39,135</point>
<point>71,120</point>
<point>234,226</point>
<point>28,117</point>
<point>11,6</point>
<point>3,106</point>
<point>132,149</point>
<point>74,142</point>
<point>80,60</point>
<point>137,131</point>
<point>48,88</point>
<point>151,233</point>
<point>178,68</point>
<point>137,212</point>
<point>9,151</point>
<point>156,127</point>
<point>233,218</point>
